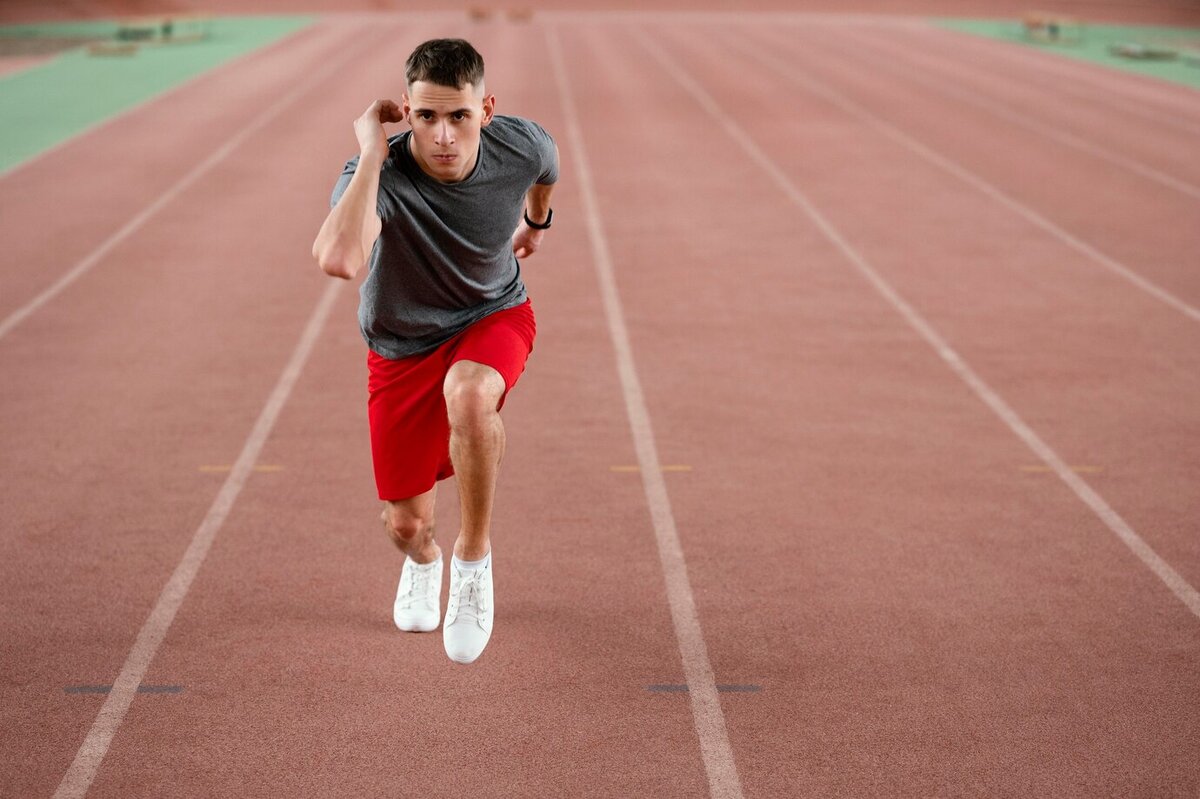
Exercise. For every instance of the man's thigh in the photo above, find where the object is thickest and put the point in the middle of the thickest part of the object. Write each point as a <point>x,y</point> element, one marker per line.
<point>410,432</point>
<point>502,341</point>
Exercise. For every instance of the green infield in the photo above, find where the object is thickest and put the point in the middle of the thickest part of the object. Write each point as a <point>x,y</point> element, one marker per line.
<point>79,88</point>
<point>1095,43</point>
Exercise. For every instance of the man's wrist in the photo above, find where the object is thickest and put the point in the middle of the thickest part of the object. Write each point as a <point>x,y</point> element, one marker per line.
<point>545,225</point>
<point>372,158</point>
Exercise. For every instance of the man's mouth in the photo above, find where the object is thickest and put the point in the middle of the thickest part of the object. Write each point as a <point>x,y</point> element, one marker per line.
<point>444,158</point>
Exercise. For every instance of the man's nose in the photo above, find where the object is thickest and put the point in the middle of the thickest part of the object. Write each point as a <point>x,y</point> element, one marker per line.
<point>444,135</point>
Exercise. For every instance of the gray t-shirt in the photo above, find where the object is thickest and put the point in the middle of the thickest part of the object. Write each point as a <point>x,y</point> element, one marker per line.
<point>444,258</point>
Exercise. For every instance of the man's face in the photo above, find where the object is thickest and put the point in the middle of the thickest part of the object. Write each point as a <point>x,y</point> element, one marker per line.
<point>446,124</point>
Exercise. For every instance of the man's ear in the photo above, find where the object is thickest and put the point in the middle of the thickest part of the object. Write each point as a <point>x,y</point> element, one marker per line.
<point>405,108</point>
<point>489,109</point>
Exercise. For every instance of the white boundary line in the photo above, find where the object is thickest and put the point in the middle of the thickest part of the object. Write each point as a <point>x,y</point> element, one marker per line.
<point>87,761</point>
<point>283,41</point>
<point>1173,580</point>
<point>946,69</point>
<point>84,265</point>
<point>1147,90</point>
<point>794,74</point>
<point>1035,79</point>
<point>718,759</point>
<point>91,753</point>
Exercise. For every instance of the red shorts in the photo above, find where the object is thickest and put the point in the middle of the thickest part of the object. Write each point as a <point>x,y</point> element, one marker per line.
<point>410,431</point>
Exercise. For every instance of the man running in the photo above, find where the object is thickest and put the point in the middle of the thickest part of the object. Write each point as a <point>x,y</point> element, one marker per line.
<point>444,312</point>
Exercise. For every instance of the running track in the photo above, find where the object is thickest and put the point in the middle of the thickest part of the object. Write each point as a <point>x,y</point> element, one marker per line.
<point>845,392</point>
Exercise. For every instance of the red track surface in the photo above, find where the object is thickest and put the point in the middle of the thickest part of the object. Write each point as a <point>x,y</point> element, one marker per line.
<point>10,65</point>
<point>926,610</point>
<point>1169,12</point>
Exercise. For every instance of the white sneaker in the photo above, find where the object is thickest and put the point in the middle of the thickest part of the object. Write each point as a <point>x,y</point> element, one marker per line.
<point>468,614</point>
<point>417,607</point>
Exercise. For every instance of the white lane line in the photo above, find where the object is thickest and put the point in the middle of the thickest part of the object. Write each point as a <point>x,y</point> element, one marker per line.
<point>283,42</point>
<point>723,780</point>
<point>147,213</point>
<point>793,73</point>
<point>992,105</point>
<point>1034,78</point>
<point>1148,91</point>
<point>724,18</point>
<point>1173,580</point>
<point>87,761</point>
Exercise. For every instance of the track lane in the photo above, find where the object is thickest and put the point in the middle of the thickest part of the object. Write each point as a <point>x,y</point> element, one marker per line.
<point>316,703</point>
<point>1110,225</point>
<point>126,390</point>
<point>298,682</point>
<point>1156,152</point>
<point>1042,79</point>
<point>59,211</point>
<point>1142,90</point>
<point>1094,330</point>
<point>923,595</point>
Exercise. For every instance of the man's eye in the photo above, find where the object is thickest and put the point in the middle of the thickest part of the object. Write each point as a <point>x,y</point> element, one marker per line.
<point>425,115</point>
<point>460,117</point>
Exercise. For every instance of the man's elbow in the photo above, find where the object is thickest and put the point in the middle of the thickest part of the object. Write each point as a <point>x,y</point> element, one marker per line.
<point>336,261</point>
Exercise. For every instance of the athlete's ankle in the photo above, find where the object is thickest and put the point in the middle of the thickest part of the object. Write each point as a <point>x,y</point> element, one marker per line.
<point>476,551</point>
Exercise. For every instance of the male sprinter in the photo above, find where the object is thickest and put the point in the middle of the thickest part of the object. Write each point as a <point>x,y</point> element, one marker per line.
<point>440,214</point>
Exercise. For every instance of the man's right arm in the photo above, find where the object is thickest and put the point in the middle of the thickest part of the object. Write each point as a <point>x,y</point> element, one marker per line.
<point>349,232</point>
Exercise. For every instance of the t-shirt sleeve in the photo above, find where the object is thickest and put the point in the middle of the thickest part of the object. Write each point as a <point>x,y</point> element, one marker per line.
<point>547,154</point>
<point>343,181</point>
<point>339,188</point>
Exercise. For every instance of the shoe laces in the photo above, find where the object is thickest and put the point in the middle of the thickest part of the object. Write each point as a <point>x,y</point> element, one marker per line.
<point>418,587</point>
<point>472,599</point>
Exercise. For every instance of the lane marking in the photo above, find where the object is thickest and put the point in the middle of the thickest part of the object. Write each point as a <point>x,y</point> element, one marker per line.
<point>1038,468</point>
<point>87,761</point>
<point>994,106</point>
<point>1143,89</point>
<point>793,73</point>
<point>1171,578</point>
<point>133,225</point>
<point>723,780</point>
<point>724,689</point>
<point>284,42</point>
<point>266,468</point>
<point>1035,81</point>
<point>141,689</point>
<point>667,468</point>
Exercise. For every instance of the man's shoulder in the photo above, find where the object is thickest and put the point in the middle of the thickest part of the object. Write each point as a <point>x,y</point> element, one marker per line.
<point>508,127</point>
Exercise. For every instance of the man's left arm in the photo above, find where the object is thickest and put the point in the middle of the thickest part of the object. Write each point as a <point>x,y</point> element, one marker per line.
<point>526,240</point>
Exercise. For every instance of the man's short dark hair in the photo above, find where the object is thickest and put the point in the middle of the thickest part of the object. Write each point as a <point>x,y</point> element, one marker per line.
<point>446,62</point>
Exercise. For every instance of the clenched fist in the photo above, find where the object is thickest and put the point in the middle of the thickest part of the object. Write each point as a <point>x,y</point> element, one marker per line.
<point>372,141</point>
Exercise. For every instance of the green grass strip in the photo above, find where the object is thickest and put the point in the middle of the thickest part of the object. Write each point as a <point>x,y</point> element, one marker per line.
<point>1095,43</point>
<point>51,102</point>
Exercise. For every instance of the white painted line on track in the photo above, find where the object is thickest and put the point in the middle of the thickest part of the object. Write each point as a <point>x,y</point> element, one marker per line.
<point>1173,580</point>
<point>723,18</point>
<point>164,199</point>
<point>282,42</point>
<point>87,761</point>
<point>91,753</point>
<point>1148,91</point>
<point>950,71</point>
<point>793,73</point>
<point>1098,95</point>
<point>723,780</point>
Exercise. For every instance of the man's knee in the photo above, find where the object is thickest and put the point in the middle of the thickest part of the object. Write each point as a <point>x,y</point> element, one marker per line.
<point>473,393</point>
<point>406,525</point>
